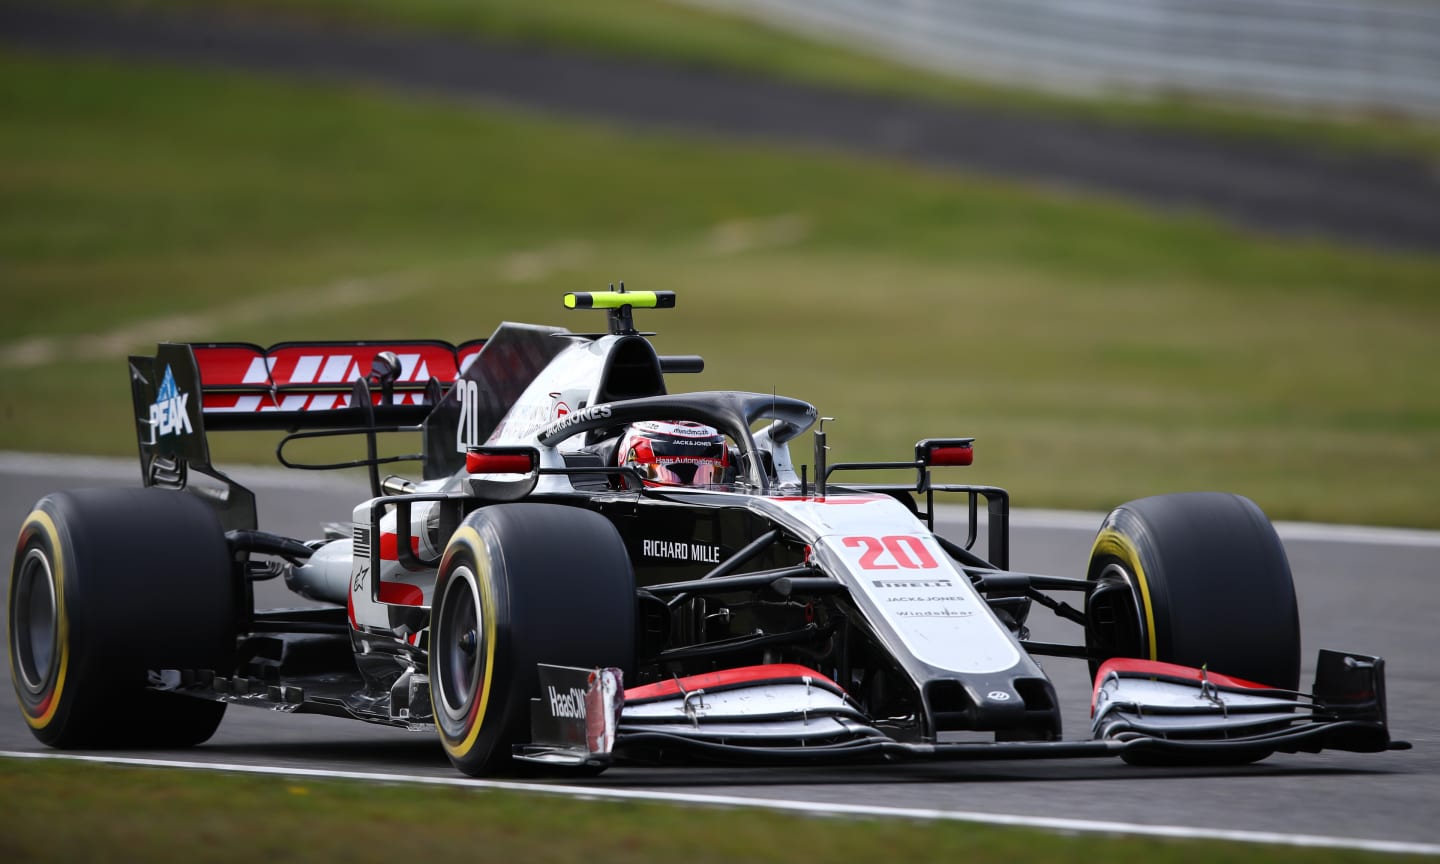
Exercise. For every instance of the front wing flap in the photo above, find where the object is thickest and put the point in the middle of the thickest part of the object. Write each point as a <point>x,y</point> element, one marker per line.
<point>1161,707</point>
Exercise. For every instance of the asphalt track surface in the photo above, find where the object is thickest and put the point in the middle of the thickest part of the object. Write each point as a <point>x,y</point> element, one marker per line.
<point>1392,203</point>
<point>1376,592</point>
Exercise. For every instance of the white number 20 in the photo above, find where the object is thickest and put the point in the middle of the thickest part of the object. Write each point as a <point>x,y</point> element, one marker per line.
<point>467,431</point>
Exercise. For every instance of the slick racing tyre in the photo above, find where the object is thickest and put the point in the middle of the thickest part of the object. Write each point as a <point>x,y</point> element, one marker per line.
<point>106,585</point>
<point>1198,579</point>
<point>521,584</point>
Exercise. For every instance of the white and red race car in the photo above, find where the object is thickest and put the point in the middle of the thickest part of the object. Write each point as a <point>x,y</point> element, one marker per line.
<point>561,585</point>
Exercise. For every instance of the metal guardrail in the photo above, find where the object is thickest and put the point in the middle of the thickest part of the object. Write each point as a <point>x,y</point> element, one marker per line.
<point>1358,55</point>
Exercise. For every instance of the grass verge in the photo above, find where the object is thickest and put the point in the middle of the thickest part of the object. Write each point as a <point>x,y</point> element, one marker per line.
<point>687,35</point>
<point>1099,352</point>
<point>111,813</point>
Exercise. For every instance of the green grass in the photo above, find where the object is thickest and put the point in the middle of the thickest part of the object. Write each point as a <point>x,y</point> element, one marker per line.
<point>1098,351</point>
<point>677,33</point>
<point>94,813</point>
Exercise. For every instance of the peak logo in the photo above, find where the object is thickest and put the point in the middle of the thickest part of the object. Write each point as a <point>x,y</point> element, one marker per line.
<point>169,415</point>
<point>569,703</point>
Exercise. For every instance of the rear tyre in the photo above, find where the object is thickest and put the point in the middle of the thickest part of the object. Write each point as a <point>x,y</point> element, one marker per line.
<point>1199,579</point>
<point>521,584</point>
<point>106,585</point>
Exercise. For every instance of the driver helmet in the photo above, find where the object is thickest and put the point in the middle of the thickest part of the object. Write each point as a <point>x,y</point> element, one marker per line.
<point>676,453</point>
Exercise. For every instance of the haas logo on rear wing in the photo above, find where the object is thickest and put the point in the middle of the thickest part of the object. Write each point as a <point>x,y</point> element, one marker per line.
<point>240,378</point>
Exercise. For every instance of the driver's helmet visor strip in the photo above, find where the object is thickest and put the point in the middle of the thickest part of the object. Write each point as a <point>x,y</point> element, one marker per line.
<point>683,472</point>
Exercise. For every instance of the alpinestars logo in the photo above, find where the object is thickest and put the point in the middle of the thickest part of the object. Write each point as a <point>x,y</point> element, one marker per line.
<point>168,416</point>
<point>569,704</point>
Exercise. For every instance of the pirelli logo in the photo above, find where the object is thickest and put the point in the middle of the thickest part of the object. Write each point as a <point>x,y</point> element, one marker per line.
<point>910,583</point>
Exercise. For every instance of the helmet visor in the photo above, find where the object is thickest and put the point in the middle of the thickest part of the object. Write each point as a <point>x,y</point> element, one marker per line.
<point>687,472</point>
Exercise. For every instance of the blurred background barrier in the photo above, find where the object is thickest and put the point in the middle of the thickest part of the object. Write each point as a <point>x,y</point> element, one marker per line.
<point>1361,55</point>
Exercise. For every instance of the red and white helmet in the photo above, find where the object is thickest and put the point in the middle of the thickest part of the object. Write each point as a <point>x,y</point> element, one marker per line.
<point>677,453</point>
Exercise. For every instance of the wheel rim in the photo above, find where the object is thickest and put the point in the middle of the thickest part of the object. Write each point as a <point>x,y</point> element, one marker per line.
<point>33,621</point>
<point>1117,572</point>
<point>459,644</point>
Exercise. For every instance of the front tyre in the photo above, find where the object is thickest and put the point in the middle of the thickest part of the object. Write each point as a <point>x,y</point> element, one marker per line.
<point>1199,579</point>
<point>521,584</point>
<point>107,584</point>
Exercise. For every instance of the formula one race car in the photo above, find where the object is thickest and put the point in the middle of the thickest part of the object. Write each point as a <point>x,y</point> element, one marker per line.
<point>594,569</point>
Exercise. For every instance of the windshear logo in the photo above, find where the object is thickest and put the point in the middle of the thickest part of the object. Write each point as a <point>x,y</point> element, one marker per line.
<point>168,415</point>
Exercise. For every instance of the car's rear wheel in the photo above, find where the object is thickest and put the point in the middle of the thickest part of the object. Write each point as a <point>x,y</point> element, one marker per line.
<point>1199,579</point>
<point>519,585</point>
<point>106,585</point>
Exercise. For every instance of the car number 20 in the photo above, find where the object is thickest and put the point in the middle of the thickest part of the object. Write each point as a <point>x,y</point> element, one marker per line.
<point>894,552</point>
<point>467,430</point>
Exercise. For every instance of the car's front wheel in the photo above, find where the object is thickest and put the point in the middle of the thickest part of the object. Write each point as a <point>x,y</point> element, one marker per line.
<point>1199,579</point>
<point>521,584</point>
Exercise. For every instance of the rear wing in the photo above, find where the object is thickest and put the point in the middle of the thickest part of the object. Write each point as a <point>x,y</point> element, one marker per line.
<point>187,389</point>
<point>297,385</point>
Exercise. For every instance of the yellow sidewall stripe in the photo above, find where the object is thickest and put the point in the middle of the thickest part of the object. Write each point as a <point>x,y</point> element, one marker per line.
<point>484,580</point>
<point>40,522</point>
<point>1113,543</point>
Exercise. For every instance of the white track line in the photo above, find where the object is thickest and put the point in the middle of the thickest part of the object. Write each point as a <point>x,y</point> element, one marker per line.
<point>816,809</point>
<point>107,469</point>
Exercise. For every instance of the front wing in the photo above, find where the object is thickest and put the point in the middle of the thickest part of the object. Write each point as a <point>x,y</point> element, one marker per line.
<point>785,714</point>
